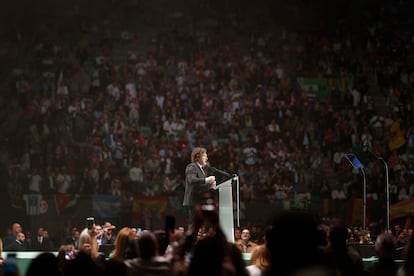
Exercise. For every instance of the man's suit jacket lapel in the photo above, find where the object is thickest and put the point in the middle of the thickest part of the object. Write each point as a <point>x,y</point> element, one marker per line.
<point>200,171</point>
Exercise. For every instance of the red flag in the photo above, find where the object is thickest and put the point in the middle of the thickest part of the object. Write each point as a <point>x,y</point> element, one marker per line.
<point>65,202</point>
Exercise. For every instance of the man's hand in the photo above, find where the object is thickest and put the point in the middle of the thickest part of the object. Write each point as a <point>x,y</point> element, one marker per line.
<point>211,180</point>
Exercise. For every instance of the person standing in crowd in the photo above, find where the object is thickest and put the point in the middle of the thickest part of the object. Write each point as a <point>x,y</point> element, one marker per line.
<point>260,261</point>
<point>341,258</point>
<point>385,250</point>
<point>108,233</point>
<point>197,182</point>
<point>88,242</point>
<point>149,262</point>
<point>407,268</point>
<point>294,245</point>
<point>45,263</point>
<point>121,245</point>
<point>211,253</point>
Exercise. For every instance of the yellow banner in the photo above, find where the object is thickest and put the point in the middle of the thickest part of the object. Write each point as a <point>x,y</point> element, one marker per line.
<point>402,208</point>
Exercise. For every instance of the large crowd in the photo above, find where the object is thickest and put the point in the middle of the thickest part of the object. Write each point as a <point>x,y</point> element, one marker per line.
<point>80,117</point>
<point>294,244</point>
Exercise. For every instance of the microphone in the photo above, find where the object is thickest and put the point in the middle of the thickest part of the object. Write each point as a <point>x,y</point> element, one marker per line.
<point>221,172</point>
<point>366,147</point>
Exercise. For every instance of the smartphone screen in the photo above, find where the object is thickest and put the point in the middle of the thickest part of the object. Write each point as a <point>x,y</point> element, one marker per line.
<point>90,222</point>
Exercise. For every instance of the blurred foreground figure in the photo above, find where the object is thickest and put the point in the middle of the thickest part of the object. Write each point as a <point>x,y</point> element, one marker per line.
<point>340,257</point>
<point>385,249</point>
<point>207,247</point>
<point>293,246</point>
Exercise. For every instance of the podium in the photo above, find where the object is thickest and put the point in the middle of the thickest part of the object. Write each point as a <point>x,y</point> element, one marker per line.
<point>225,203</point>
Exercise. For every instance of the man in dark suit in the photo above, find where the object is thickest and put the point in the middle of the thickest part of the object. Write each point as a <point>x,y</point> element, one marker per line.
<point>18,244</point>
<point>197,182</point>
<point>11,238</point>
<point>73,238</point>
<point>38,240</point>
<point>42,242</point>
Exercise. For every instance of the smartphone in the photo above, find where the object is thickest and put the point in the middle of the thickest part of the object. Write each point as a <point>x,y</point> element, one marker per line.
<point>90,222</point>
<point>139,230</point>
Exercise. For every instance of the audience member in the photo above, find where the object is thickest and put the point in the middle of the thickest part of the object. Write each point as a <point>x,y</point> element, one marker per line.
<point>88,242</point>
<point>108,233</point>
<point>293,245</point>
<point>45,263</point>
<point>260,261</point>
<point>99,234</point>
<point>65,253</point>
<point>148,262</point>
<point>73,238</point>
<point>385,250</point>
<point>11,237</point>
<point>18,244</point>
<point>226,259</point>
<point>244,244</point>
<point>340,257</point>
<point>121,244</point>
<point>266,106</point>
<point>407,268</point>
<point>83,264</point>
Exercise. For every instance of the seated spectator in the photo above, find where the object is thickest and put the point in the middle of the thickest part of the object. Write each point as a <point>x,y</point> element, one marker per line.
<point>18,244</point>
<point>244,244</point>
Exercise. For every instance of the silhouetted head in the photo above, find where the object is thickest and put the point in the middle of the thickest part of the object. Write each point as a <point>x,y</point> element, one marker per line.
<point>293,242</point>
<point>44,264</point>
<point>338,235</point>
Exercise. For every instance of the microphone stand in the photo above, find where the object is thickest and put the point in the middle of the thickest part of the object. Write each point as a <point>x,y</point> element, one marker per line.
<point>387,183</point>
<point>358,165</point>
<point>364,203</point>
<point>221,172</point>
